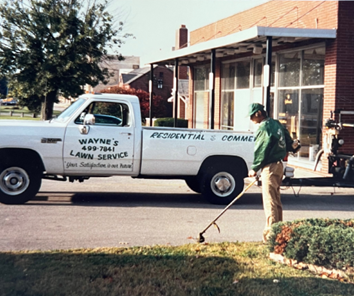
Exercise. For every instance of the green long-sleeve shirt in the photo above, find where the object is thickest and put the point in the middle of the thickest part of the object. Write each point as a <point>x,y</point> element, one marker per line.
<point>271,142</point>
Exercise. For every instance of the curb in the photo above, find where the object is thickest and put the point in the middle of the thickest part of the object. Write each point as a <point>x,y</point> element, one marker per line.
<point>335,274</point>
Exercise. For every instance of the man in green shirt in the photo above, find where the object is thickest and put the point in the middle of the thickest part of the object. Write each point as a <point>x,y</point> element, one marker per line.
<point>271,142</point>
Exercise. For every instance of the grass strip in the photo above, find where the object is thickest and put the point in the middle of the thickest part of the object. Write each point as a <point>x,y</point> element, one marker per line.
<point>193,269</point>
<point>5,110</point>
<point>5,117</point>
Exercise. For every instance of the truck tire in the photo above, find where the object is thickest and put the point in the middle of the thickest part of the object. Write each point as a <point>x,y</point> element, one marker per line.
<point>221,184</point>
<point>18,183</point>
<point>193,183</point>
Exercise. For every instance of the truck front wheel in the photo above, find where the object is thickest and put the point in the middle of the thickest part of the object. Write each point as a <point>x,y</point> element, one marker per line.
<point>18,183</point>
<point>221,185</point>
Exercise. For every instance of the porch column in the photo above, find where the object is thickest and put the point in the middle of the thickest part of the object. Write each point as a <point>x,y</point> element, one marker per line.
<point>268,73</point>
<point>150,92</point>
<point>212,90</point>
<point>175,101</point>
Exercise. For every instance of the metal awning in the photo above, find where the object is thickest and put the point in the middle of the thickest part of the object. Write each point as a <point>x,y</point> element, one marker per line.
<point>252,39</point>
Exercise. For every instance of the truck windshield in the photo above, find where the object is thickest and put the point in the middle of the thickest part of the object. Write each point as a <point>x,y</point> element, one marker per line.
<point>66,114</point>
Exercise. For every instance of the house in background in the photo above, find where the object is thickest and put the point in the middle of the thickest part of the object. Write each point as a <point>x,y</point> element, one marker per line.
<point>115,66</point>
<point>296,57</point>
<point>162,81</point>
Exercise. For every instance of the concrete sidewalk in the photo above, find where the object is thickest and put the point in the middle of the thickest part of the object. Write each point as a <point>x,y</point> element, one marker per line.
<point>306,173</point>
<point>299,172</point>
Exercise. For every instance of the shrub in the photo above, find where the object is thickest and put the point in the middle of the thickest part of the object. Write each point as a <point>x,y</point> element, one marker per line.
<point>168,121</point>
<point>159,108</point>
<point>324,242</point>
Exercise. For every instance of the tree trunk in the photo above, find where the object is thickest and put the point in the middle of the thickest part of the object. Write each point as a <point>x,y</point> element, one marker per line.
<point>48,105</point>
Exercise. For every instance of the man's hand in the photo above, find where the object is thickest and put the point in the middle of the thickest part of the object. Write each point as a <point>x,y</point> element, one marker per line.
<point>252,173</point>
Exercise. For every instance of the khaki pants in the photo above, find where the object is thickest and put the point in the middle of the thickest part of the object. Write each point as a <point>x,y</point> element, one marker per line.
<point>272,175</point>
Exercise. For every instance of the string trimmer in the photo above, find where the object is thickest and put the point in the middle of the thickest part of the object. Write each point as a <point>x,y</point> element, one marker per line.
<point>201,238</point>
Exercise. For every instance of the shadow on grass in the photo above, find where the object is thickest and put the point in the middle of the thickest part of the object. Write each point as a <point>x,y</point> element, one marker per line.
<point>149,271</point>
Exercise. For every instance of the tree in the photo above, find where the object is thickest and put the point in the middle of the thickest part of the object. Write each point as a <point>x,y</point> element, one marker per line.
<point>52,46</point>
<point>3,88</point>
<point>158,107</point>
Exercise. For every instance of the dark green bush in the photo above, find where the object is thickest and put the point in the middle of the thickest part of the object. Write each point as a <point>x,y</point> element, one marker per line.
<point>169,122</point>
<point>324,242</point>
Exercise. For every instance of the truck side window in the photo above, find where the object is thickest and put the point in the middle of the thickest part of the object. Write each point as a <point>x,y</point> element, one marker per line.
<point>107,113</point>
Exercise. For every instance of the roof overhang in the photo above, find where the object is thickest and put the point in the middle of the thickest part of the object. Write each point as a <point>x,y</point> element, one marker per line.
<point>248,40</point>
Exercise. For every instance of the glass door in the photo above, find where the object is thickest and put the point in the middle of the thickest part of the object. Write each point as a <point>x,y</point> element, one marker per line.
<point>311,122</point>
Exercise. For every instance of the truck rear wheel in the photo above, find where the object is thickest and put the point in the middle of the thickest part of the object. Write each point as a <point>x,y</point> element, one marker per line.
<point>193,183</point>
<point>18,183</point>
<point>221,184</point>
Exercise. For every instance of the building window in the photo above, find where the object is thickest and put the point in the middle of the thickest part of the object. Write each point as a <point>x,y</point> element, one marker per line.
<point>201,78</point>
<point>160,80</point>
<point>201,95</point>
<point>313,67</point>
<point>298,94</point>
<point>236,95</point>
<point>257,73</point>
<point>289,69</point>
<point>300,97</point>
<point>243,74</point>
<point>227,110</point>
<point>228,79</point>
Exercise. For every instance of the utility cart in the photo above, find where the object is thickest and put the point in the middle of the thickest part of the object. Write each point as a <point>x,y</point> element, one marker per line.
<point>340,166</point>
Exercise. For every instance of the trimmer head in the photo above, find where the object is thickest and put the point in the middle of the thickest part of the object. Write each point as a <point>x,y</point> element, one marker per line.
<point>201,238</point>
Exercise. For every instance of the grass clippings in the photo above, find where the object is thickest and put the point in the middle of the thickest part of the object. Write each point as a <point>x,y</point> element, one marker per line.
<point>215,269</point>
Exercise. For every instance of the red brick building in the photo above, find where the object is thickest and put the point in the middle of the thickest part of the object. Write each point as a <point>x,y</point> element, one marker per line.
<point>305,47</point>
<point>162,82</point>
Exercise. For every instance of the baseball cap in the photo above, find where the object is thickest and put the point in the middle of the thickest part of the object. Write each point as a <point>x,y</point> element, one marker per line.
<point>253,108</point>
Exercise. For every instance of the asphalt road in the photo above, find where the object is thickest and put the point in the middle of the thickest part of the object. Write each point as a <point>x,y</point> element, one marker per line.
<point>124,212</point>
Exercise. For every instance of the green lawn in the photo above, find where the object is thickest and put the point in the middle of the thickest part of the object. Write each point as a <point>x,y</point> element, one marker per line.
<point>193,269</point>
<point>17,111</point>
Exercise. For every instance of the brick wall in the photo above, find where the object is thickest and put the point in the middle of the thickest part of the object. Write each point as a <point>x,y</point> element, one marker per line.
<point>290,14</point>
<point>339,75</point>
<point>344,91</point>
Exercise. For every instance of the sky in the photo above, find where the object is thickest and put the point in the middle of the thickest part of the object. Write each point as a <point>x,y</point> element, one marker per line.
<point>154,22</point>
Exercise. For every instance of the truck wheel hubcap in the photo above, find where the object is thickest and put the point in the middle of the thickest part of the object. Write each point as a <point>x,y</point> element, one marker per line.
<point>14,181</point>
<point>223,184</point>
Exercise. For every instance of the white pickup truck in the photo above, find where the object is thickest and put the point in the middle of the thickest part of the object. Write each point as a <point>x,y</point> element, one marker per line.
<point>101,135</point>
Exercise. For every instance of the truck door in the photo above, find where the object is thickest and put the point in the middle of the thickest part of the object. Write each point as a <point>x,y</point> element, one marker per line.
<point>102,146</point>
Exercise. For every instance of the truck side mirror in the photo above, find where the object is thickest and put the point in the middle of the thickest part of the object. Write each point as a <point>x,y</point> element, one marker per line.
<point>84,129</point>
<point>88,119</point>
